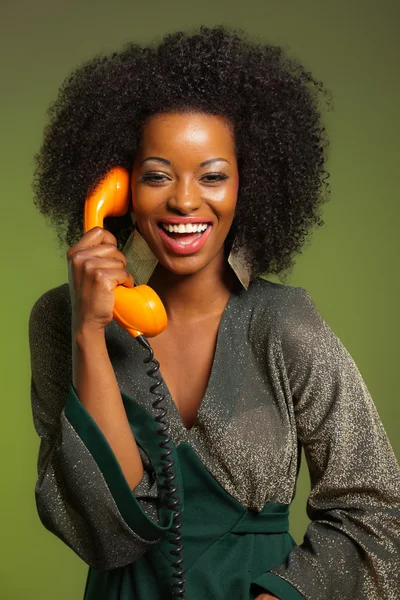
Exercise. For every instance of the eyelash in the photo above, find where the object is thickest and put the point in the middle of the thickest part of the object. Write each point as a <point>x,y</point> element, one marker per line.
<point>157,177</point>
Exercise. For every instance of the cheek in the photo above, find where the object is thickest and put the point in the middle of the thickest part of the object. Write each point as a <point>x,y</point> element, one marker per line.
<point>233,196</point>
<point>145,201</point>
<point>226,198</point>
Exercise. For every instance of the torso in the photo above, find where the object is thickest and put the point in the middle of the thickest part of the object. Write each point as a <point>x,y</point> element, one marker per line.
<point>186,354</point>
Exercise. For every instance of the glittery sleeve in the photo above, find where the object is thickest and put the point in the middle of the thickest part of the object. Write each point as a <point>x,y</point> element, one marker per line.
<point>351,548</point>
<point>89,506</point>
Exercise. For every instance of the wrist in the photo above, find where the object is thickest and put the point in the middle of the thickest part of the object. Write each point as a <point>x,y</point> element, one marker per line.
<point>87,334</point>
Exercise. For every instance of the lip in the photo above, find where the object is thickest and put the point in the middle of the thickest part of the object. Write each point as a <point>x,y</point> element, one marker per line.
<point>177,220</point>
<point>179,249</point>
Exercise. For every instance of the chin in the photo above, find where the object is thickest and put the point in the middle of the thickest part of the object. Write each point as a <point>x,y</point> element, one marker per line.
<point>186,266</point>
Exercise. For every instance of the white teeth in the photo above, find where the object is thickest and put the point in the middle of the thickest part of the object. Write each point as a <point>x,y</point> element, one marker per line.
<point>185,227</point>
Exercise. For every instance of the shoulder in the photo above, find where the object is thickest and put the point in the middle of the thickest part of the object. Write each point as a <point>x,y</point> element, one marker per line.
<point>275,302</point>
<point>52,310</point>
<point>50,336</point>
<point>282,313</point>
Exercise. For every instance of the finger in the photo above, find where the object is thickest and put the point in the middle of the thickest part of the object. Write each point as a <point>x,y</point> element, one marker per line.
<point>82,263</point>
<point>110,278</point>
<point>97,262</point>
<point>93,237</point>
<point>106,250</point>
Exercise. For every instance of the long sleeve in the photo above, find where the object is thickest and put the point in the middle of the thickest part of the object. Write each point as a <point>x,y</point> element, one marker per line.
<point>351,548</point>
<point>81,494</point>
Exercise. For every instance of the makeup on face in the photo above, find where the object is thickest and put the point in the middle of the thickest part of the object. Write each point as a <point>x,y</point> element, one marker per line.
<point>184,200</point>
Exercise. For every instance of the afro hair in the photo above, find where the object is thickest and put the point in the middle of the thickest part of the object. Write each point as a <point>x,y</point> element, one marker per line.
<point>271,100</point>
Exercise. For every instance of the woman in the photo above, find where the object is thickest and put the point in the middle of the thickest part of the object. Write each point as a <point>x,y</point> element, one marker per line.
<point>225,133</point>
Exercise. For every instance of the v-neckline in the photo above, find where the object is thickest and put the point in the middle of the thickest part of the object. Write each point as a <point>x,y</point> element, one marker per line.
<point>168,396</point>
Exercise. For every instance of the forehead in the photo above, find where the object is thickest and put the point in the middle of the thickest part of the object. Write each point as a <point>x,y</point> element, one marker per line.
<point>192,132</point>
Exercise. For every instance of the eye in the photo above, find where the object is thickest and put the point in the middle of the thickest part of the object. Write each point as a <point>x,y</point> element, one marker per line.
<point>214,177</point>
<point>156,178</point>
<point>153,178</point>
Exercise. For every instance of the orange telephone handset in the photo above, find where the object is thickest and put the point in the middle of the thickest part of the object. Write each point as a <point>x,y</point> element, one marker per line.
<point>138,310</point>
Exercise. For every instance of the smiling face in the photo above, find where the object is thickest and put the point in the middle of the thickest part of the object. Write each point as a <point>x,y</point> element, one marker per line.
<point>184,189</point>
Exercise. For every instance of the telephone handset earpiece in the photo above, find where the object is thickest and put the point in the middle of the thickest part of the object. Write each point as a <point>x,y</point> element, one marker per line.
<point>139,310</point>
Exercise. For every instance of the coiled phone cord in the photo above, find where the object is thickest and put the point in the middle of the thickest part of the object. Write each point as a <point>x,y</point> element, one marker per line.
<point>178,587</point>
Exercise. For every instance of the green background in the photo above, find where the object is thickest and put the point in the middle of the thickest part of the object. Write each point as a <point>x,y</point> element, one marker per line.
<point>350,268</point>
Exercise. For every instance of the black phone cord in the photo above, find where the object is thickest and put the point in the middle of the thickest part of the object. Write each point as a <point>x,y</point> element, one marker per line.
<point>178,587</point>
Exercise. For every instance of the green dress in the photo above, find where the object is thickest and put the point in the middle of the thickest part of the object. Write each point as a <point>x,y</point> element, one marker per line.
<point>281,380</point>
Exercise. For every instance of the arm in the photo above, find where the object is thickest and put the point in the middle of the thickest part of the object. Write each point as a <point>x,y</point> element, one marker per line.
<point>351,549</point>
<point>97,389</point>
<point>82,495</point>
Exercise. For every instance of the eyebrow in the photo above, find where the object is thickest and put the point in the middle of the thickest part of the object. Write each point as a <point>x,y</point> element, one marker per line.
<point>167,162</point>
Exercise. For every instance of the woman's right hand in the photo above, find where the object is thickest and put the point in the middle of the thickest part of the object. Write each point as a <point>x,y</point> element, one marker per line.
<point>95,268</point>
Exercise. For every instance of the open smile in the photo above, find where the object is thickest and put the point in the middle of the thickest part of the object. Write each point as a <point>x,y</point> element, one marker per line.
<point>184,235</point>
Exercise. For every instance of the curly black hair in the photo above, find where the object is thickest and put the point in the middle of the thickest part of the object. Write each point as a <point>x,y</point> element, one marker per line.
<point>96,123</point>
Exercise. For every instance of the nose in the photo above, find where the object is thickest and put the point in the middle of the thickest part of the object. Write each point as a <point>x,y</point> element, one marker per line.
<point>185,198</point>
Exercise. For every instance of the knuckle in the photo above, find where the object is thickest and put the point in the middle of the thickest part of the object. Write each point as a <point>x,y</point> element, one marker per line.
<point>88,266</point>
<point>110,237</point>
<point>99,274</point>
<point>76,258</point>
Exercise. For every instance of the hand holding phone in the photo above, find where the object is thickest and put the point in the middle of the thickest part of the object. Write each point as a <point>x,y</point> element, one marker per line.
<point>99,284</point>
<point>95,268</point>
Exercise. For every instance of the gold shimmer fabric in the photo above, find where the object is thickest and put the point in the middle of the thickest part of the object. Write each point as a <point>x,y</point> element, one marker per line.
<point>281,381</point>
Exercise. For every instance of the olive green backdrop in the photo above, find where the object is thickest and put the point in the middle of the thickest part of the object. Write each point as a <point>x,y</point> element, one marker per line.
<point>350,268</point>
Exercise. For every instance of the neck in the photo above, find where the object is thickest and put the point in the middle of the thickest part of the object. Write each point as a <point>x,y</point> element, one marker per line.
<point>198,295</point>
